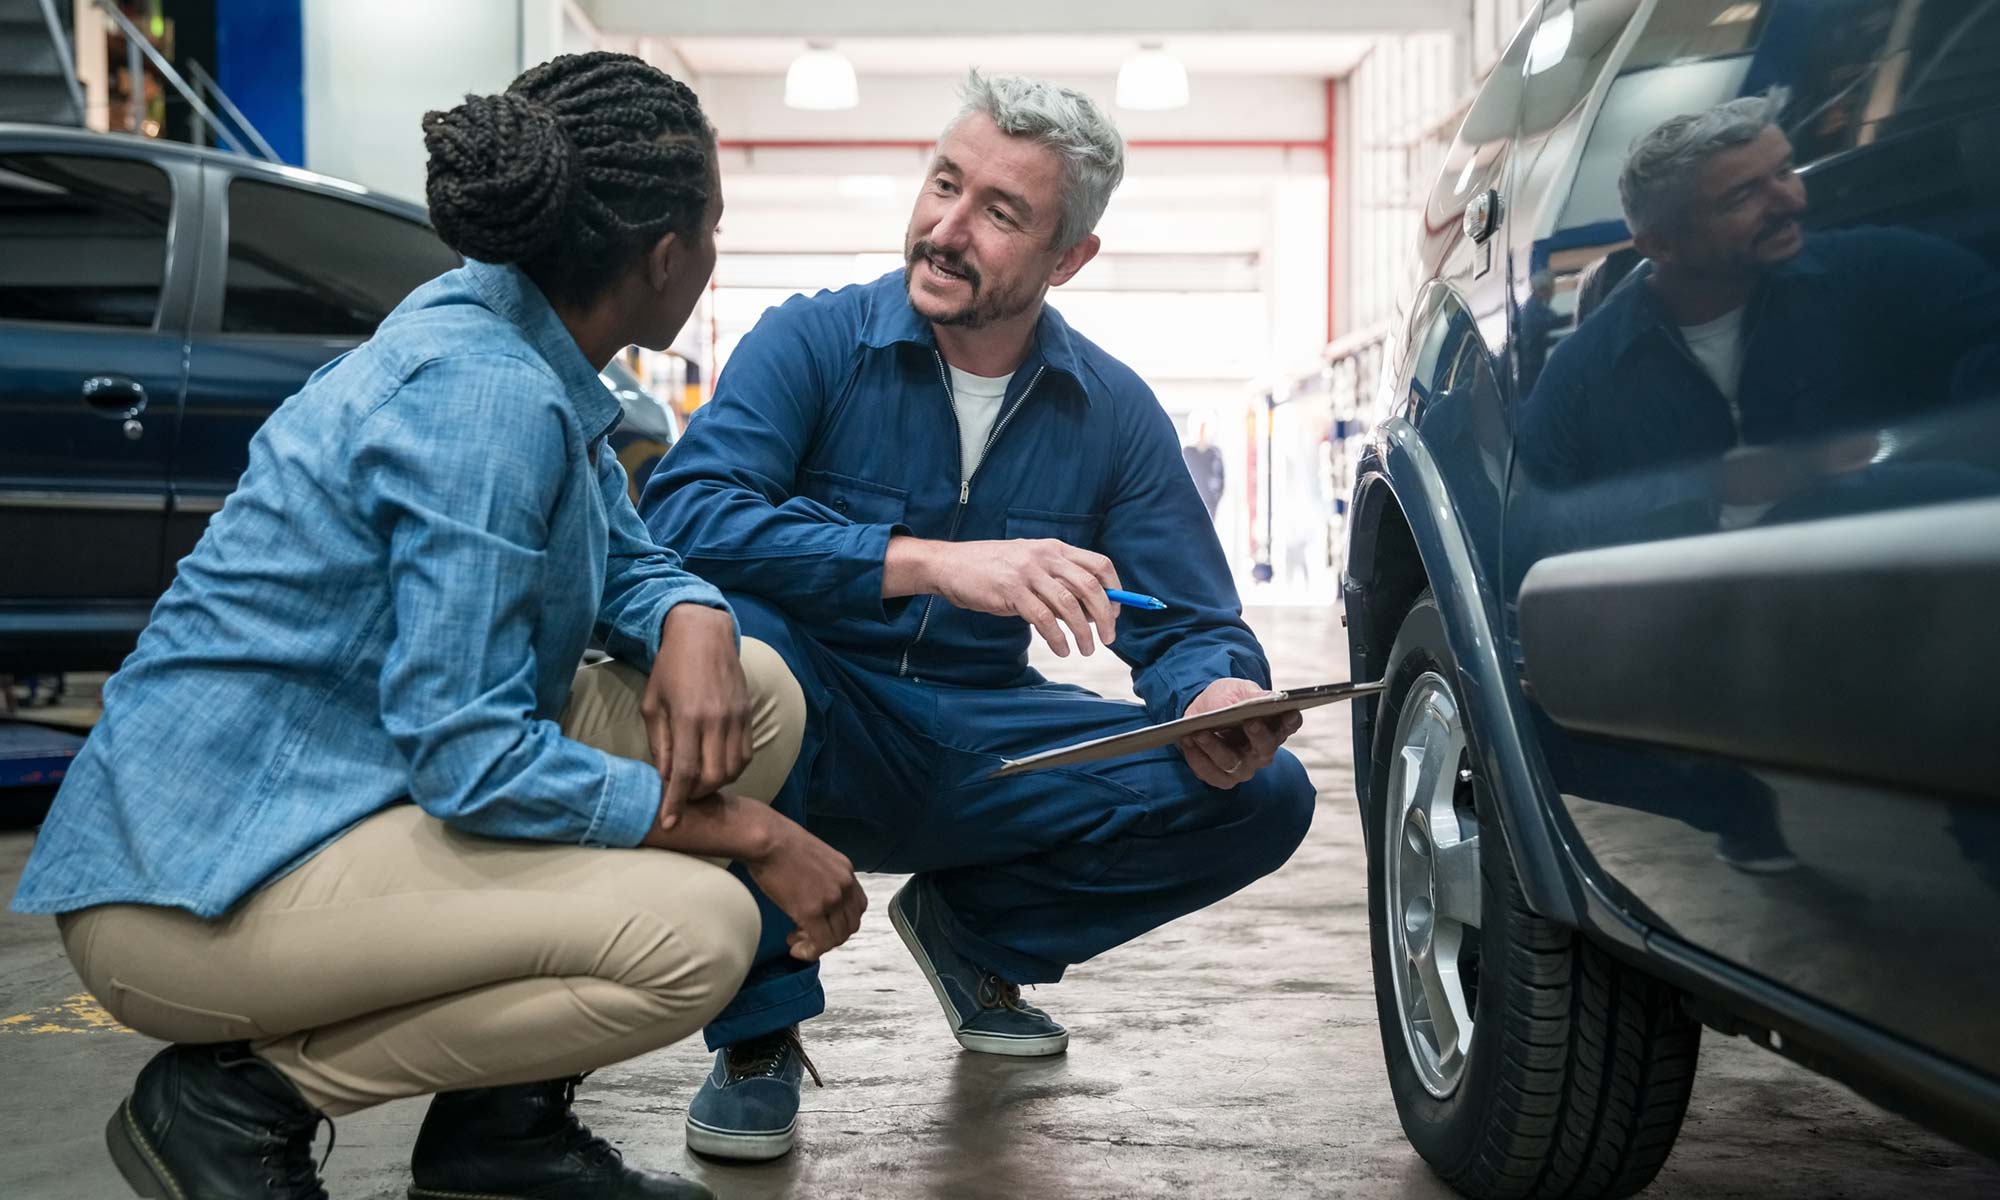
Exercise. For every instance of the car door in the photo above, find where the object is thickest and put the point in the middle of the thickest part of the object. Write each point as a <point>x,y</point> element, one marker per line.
<point>298,274</point>
<point>1758,628</point>
<point>93,302</point>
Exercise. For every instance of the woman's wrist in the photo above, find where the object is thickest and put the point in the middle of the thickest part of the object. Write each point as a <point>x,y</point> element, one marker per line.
<point>722,826</point>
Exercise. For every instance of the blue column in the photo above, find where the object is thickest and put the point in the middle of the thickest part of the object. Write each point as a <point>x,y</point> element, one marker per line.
<point>260,63</point>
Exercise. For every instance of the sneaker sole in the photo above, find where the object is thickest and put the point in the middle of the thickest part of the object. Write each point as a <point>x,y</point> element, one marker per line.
<point>743,1147</point>
<point>1011,1045</point>
<point>136,1159</point>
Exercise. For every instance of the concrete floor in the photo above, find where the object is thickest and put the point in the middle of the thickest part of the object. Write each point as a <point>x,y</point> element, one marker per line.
<point>1233,1054</point>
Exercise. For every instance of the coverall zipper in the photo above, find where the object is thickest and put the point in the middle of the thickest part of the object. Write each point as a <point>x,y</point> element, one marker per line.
<point>965,480</point>
<point>1730,402</point>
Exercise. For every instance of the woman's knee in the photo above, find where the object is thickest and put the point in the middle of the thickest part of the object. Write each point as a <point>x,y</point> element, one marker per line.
<point>603,709</point>
<point>712,940</point>
<point>778,719</point>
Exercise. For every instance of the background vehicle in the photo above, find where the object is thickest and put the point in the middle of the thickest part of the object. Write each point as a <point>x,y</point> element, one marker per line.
<point>1707,740</point>
<point>157,302</point>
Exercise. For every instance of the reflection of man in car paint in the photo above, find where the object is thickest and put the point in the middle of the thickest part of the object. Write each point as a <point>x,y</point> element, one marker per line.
<point>1739,376</point>
<point>1743,330</point>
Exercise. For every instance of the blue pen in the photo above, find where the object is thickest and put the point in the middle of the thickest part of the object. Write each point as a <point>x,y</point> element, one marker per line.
<point>1135,599</point>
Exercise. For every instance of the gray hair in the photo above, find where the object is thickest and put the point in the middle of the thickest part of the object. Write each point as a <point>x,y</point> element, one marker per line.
<point>1067,122</point>
<point>1659,176</point>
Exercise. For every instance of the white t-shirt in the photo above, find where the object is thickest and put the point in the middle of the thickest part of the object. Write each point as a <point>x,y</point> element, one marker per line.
<point>978,399</point>
<point>1718,347</point>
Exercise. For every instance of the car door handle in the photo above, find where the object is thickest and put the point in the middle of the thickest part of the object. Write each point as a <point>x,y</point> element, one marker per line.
<point>115,396</point>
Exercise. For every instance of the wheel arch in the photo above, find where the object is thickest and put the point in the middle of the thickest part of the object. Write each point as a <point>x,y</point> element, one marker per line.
<point>1403,541</point>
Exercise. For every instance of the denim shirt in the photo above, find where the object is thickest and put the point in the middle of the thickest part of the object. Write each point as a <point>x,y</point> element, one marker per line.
<point>390,606</point>
<point>834,429</point>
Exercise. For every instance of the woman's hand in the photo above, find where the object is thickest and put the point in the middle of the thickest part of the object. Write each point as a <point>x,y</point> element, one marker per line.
<point>813,884</point>
<point>696,707</point>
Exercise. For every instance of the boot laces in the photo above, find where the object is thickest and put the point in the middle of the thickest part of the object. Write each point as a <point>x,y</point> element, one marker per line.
<point>287,1142</point>
<point>575,1136</point>
<point>764,1055</point>
<point>288,1155</point>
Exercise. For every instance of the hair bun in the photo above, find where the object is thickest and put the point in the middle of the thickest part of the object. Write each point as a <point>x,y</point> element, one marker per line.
<point>499,177</point>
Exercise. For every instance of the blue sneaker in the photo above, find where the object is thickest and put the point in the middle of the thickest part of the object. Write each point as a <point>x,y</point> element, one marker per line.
<point>748,1107</point>
<point>986,1011</point>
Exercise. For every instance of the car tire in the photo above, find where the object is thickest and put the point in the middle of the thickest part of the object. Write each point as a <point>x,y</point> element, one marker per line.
<point>1555,1070</point>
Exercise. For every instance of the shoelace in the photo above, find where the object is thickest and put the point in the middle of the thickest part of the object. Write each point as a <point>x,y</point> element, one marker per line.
<point>995,992</point>
<point>762,1056</point>
<point>576,1136</point>
<point>288,1151</point>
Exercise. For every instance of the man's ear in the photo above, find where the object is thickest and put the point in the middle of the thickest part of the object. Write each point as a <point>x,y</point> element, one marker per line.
<point>1655,247</point>
<point>1073,259</point>
<point>662,260</point>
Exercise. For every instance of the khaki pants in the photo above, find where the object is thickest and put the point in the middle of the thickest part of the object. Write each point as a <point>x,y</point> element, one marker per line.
<point>408,958</point>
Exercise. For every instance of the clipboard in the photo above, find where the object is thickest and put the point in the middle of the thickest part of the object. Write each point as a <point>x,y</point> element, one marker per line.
<point>1152,736</point>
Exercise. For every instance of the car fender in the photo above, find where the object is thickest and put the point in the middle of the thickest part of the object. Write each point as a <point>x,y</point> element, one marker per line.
<point>1399,479</point>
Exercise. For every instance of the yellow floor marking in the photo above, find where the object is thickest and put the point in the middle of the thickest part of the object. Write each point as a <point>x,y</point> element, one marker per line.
<point>80,1013</point>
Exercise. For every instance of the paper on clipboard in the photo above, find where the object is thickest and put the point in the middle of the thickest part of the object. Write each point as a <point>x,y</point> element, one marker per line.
<point>1290,700</point>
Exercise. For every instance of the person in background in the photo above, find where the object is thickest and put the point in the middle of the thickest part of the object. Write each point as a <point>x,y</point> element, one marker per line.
<point>354,825</point>
<point>895,484</point>
<point>1204,464</point>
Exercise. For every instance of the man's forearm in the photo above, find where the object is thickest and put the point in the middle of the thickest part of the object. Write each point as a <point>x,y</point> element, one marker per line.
<point>719,826</point>
<point>908,567</point>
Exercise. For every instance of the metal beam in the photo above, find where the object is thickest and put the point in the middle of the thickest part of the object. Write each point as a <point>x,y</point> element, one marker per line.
<point>903,18</point>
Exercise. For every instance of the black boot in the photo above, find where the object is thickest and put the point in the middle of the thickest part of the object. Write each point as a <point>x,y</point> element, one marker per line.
<point>216,1123</point>
<point>525,1143</point>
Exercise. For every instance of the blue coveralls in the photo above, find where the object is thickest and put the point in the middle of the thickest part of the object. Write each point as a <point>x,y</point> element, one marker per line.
<point>832,430</point>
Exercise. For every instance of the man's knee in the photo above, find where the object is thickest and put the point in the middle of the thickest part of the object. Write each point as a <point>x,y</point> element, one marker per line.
<point>1281,800</point>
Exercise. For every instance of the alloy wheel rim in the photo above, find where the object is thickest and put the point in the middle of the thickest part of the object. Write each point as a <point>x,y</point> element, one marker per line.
<point>1430,841</point>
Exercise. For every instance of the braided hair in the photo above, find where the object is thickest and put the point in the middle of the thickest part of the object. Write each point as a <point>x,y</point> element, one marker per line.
<point>582,162</point>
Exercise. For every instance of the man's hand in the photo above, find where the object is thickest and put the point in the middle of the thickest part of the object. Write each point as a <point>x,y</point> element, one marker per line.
<point>696,707</point>
<point>1050,584</point>
<point>1225,758</point>
<point>813,884</point>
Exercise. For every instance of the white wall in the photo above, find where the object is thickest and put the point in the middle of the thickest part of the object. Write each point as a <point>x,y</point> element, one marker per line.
<point>1400,102</point>
<point>1200,343</point>
<point>1285,107</point>
<point>374,67</point>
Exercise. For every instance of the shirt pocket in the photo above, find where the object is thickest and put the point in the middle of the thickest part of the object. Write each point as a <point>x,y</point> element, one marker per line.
<point>1077,529</point>
<point>858,501</point>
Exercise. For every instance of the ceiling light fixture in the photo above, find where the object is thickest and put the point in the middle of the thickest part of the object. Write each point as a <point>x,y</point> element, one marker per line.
<point>821,79</point>
<point>1152,79</point>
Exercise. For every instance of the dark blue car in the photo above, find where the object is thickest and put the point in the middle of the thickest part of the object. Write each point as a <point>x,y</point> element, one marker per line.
<point>1679,546</point>
<point>156,303</point>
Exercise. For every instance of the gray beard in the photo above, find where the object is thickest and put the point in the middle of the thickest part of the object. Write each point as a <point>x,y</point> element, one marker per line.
<point>984,311</point>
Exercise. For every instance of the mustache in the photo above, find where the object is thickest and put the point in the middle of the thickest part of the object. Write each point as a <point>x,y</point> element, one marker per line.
<point>947,259</point>
<point>1777,229</point>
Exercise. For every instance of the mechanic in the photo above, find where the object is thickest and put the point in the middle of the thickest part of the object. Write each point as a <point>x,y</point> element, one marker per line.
<point>893,484</point>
